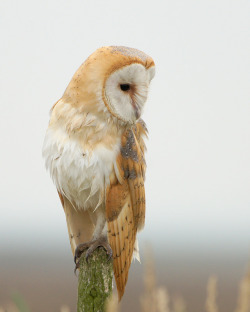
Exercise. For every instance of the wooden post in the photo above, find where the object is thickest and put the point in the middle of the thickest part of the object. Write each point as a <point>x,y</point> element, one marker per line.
<point>94,281</point>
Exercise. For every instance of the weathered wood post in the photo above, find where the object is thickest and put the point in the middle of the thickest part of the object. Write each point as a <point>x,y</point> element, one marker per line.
<point>94,281</point>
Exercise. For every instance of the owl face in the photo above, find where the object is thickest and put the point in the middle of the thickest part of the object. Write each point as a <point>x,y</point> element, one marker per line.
<point>113,80</point>
<point>126,90</point>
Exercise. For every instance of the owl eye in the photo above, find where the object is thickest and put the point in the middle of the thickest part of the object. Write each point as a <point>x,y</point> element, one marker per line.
<point>125,87</point>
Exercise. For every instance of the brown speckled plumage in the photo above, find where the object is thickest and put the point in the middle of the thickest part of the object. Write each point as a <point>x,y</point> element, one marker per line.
<point>125,204</point>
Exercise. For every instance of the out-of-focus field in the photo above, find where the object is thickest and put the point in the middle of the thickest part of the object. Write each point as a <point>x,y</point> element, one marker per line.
<point>47,282</point>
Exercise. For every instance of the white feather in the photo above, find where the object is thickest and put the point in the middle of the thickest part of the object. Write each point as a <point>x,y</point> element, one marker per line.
<point>82,176</point>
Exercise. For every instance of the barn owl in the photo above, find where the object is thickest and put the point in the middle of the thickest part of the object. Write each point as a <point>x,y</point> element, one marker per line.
<point>94,150</point>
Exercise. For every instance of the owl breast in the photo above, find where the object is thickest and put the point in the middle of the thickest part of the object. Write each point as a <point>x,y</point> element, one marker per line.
<point>82,175</point>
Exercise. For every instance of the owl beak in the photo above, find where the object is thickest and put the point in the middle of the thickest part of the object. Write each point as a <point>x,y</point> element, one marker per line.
<point>136,109</point>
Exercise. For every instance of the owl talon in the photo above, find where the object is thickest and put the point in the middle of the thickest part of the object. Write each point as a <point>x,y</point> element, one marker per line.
<point>80,249</point>
<point>77,266</point>
<point>109,251</point>
<point>92,246</point>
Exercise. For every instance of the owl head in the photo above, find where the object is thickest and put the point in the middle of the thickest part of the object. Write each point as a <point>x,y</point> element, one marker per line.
<point>114,80</point>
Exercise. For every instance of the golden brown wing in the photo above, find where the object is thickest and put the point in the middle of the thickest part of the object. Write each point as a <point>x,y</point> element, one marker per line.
<point>125,202</point>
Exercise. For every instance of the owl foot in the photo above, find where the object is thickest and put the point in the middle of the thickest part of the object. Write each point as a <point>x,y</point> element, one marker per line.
<point>92,246</point>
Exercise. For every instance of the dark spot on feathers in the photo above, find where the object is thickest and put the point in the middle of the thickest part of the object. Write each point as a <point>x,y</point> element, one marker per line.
<point>127,150</point>
<point>132,174</point>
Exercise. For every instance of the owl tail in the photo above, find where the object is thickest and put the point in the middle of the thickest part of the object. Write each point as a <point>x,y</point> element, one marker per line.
<point>136,254</point>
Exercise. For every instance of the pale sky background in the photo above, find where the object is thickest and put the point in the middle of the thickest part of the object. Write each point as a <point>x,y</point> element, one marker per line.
<point>198,113</point>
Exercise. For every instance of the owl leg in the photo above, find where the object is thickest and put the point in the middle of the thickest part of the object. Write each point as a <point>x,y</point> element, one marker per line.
<point>99,239</point>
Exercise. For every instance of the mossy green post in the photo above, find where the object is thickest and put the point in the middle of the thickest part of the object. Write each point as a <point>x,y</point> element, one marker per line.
<point>94,281</point>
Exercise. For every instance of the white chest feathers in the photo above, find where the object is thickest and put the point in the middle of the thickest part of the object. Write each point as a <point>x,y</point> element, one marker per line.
<point>81,175</point>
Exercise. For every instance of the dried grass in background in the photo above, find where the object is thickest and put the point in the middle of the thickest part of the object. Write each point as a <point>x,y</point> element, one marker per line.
<point>244,294</point>
<point>211,305</point>
<point>157,299</point>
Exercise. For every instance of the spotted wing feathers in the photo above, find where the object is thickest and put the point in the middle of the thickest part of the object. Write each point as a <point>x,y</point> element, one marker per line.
<point>125,202</point>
